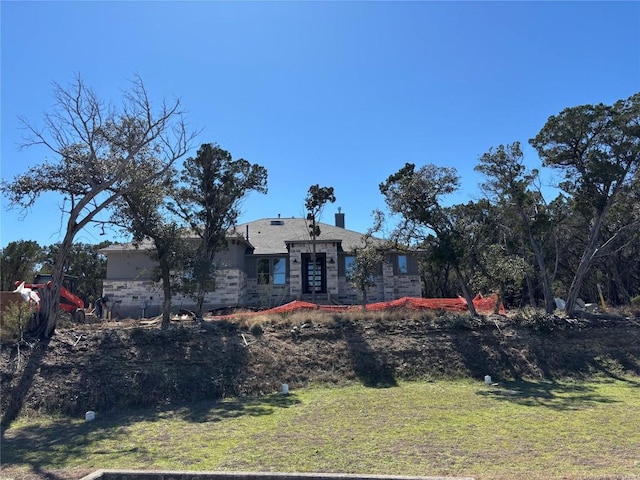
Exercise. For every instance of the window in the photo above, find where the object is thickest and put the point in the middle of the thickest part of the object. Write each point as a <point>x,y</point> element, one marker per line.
<point>348,264</point>
<point>272,271</point>
<point>279,271</point>
<point>263,271</point>
<point>402,264</point>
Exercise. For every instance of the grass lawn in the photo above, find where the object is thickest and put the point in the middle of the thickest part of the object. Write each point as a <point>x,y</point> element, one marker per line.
<point>519,430</point>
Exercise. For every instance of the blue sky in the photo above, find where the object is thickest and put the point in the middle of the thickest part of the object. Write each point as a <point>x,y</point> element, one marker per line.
<point>336,93</point>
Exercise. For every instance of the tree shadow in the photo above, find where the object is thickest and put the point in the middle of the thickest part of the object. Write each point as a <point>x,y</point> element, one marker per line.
<point>483,353</point>
<point>548,394</point>
<point>370,366</point>
<point>64,438</point>
<point>147,367</point>
<point>524,353</point>
<point>19,391</point>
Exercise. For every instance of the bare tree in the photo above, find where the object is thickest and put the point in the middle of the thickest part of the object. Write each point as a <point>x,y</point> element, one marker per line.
<point>97,146</point>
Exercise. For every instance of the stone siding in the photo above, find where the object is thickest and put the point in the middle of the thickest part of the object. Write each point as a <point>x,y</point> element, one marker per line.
<point>351,296</point>
<point>297,250</point>
<point>265,296</point>
<point>129,296</point>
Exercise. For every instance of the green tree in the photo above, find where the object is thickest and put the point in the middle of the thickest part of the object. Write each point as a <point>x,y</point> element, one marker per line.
<point>510,186</point>
<point>315,201</point>
<point>144,214</point>
<point>500,271</point>
<point>597,147</point>
<point>368,258</point>
<point>86,263</point>
<point>97,148</point>
<point>18,262</point>
<point>415,195</point>
<point>214,186</point>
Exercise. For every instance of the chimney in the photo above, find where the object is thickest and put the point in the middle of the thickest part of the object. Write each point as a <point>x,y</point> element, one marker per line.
<point>339,218</point>
<point>247,236</point>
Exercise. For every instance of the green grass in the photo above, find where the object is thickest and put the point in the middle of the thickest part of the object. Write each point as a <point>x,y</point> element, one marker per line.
<point>523,430</point>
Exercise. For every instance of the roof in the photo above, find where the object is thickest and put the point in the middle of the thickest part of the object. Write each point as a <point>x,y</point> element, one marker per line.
<point>270,235</point>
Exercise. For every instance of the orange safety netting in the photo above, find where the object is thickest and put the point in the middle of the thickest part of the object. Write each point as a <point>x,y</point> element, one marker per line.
<point>459,304</point>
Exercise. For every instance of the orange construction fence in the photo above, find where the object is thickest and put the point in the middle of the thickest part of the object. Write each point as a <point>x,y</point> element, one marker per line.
<point>482,304</point>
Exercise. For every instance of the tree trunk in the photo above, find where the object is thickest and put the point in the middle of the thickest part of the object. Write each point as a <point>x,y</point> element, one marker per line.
<point>166,303</point>
<point>531,292</point>
<point>201,292</point>
<point>499,301</point>
<point>547,291</point>
<point>622,294</point>
<point>585,263</point>
<point>44,325</point>
<point>364,299</point>
<point>207,274</point>
<point>466,293</point>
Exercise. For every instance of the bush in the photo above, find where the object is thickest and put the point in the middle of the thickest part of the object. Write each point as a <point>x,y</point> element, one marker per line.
<point>15,320</point>
<point>540,321</point>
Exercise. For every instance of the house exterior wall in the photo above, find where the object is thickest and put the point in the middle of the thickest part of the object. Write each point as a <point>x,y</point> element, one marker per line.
<point>350,296</point>
<point>327,248</point>
<point>129,273</point>
<point>398,285</point>
<point>266,296</point>
<point>130,297</point>
<point>233,256</point>
<point>130,264</point>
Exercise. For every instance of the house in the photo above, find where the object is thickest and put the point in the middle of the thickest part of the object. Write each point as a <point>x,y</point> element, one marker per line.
<point>267,262</point>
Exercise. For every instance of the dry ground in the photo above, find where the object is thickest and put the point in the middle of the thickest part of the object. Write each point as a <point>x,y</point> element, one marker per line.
<point>118,365</point>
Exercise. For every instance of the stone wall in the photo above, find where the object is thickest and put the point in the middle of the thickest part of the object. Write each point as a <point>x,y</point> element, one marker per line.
<point>143,298</point>
<point>265,296</point>
<point>297,250</point>
<point>350,296</point>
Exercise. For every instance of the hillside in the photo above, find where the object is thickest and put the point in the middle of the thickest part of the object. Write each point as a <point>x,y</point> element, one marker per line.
<point>125,364</point>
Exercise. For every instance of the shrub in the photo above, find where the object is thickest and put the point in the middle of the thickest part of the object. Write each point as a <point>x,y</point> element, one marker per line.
<point>15,320</point>
<point>540,321</point>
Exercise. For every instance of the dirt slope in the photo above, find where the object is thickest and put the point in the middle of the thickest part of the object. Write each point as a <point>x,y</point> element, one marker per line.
<point>119,365</point>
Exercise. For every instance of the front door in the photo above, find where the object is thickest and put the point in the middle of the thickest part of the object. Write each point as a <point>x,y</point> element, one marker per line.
<point>314,278</point>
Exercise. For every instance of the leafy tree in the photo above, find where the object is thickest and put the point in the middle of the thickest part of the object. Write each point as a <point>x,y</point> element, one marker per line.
<point>368,259</point>
<point>85,262</point>
<point>415,195</point>
<point>315,201</point>
<point>18,262</point>
<point>97,147</point>
<point>618,262</point>
<point>509,184</point>
<point>598,149</point>
<point>209,201</point>
<point>500,271</point>
<point>436,277</point>
<point>615,267</point>
<point>144,214</point>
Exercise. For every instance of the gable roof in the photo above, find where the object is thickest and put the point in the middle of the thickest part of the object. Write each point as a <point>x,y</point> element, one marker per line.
<point>270,235</point>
